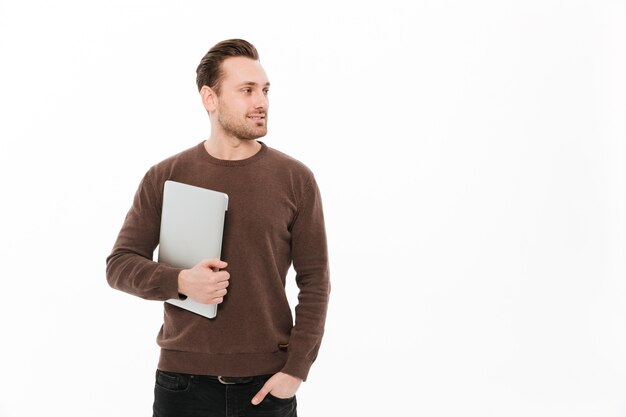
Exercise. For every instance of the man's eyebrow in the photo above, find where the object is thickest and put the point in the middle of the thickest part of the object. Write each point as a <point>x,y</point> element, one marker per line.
<point>253,84</point>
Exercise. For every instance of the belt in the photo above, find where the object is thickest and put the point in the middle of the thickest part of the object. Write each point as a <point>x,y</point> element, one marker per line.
<point>226,380</point>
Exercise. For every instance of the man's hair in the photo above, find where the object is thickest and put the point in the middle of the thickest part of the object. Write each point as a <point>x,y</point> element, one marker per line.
<point>210,73</point>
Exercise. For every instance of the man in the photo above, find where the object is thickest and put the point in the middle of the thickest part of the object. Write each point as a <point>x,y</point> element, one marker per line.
<point>251,358</point>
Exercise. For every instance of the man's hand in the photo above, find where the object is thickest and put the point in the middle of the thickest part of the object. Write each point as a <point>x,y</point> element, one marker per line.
<point>280,385</point>
<point>204,283</point>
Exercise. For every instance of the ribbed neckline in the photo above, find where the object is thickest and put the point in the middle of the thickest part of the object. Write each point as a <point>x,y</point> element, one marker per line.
<point>231,163</point>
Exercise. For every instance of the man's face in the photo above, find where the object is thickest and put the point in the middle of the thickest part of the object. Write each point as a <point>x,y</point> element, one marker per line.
<point>241,106</point>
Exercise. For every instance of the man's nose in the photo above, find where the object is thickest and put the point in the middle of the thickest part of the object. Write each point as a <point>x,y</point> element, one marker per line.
<point>261,101</point>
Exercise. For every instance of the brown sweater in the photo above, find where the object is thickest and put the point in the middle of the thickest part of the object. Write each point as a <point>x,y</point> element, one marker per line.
<point>274,218</point>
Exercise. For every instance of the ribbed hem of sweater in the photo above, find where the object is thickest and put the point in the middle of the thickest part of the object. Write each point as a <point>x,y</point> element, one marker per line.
<point>222,364</point>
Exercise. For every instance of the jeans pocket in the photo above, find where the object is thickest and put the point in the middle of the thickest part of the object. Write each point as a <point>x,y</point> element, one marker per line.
<point>280,400</point>
<point>172,381</point>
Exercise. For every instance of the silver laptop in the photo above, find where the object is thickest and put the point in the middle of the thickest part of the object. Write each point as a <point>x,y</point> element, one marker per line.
<point>192,226</point>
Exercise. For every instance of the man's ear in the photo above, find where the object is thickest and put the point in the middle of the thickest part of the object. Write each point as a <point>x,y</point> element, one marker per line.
<point>209,98</point>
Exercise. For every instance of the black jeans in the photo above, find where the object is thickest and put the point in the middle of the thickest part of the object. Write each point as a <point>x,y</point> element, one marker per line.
<point>183,395</point>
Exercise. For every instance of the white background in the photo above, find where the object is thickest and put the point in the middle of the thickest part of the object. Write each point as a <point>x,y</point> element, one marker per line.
<point>471,160</point>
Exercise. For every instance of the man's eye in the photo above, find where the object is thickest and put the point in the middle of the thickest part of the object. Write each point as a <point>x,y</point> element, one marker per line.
<point>266,91</point>
<point>247,90</point>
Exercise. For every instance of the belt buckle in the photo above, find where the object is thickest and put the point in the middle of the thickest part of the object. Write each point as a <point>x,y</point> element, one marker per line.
<point>231,380</point>
<point>222,381</point>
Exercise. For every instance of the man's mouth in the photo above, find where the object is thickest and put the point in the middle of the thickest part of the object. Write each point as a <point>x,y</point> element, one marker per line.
<point>256,116</point>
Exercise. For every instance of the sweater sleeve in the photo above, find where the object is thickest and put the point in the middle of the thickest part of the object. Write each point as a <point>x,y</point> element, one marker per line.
<point>310,261</point>
<point>130,267</point>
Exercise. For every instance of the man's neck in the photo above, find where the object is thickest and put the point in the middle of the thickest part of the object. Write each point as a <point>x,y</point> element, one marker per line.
<point>231,149</point>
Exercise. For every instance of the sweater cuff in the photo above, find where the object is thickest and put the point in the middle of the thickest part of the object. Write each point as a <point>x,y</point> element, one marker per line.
<point>169,282</point>
<point>297,366</point>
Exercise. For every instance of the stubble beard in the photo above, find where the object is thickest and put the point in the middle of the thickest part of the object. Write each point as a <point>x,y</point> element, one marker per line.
<point>241,130</point>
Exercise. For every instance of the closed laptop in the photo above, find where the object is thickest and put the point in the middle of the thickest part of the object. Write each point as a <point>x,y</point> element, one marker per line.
<point>192,226</point>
